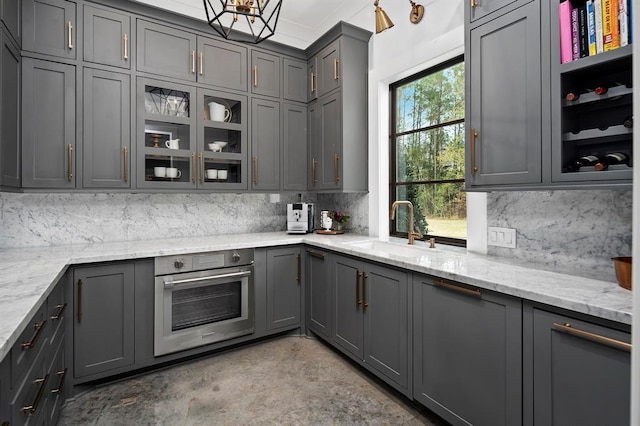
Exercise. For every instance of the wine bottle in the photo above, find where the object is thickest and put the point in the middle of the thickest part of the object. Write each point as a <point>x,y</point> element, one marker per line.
<point>628,122</point>
<point>572,95</point>
<point>586,160</point>
<point>609,159</point>
<point>601,89</point>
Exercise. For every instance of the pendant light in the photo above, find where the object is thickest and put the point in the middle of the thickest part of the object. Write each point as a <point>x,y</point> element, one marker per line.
<point>255,20</point>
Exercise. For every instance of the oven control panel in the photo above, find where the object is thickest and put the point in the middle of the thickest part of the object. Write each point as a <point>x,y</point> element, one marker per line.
<point>166,265</point>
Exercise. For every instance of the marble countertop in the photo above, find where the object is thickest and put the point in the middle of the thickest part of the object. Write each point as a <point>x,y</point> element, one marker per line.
<point>27,276</point>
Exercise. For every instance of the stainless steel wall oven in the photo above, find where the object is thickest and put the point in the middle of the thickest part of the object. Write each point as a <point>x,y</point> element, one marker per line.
<point>202,298</point>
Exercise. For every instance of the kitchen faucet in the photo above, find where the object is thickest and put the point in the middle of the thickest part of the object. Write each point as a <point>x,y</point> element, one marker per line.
<point>412,234</point>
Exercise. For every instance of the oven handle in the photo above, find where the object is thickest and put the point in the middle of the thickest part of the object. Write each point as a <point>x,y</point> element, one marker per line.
<point>168,284</point>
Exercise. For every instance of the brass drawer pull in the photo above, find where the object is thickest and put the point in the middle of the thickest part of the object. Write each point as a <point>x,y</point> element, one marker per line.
<point>58,315</point>
<point>125,40</point>
<point>201,155</point>
<point>474,3</point>
<point>62,375</point>
<point>79,301</point>
<point>193,62</point>
<point>39,326</point>
<point>193,169</point>
<point>315,254</point>
<point>201,60</point>
<point>255,76</point>
<point>336,167</point>
<point>255,170</point>
<point>70,35</point>
<point>125,175</point>
<point>569,329</point>
<point>313,82</point>
<point>34,406</point>
<point>459,288</point>
<point>69,162</point>
<point>298,271</point>
<point>358,300</point>
<point>364,290</point>
<point>314,165</point>
<point>474,136</point>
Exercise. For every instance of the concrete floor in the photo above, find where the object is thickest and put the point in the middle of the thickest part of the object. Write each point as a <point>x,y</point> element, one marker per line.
<point>286,381</point>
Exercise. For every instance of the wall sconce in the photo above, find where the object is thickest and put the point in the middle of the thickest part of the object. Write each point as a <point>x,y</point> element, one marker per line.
<point>383,22</point>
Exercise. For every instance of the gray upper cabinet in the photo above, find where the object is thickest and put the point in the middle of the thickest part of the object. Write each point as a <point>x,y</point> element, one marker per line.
<point>265,145</point>
<point>12,19</point>
<point>294,147</point>
<point>222,64</point>
<point>284,287</point>
<point>329,68</point>
<point>476,9</point>
<point>326,146</point>
<point>106,129</point>
<point>504,113</point>
<point>107,37</point>
<point>318,292</point>
<point>9,113</point>
<point>295,80</point>
<point>467,353</point>
<point>49,27</point>
<point>578,372</point>
<point>265,74</point>
<point>48,149</point>
<point>166,51</point>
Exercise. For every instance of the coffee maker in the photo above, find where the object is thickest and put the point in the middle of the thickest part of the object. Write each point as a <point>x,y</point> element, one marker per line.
<point>299,218</point>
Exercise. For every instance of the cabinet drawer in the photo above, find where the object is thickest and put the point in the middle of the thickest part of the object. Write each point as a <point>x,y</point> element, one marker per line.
<point>56,387</point>
<point>56,311</point>
<point>29,345</point>
<point>29,405</point>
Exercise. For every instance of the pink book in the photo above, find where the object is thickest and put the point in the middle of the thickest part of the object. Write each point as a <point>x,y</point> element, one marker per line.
<point>566,46</point>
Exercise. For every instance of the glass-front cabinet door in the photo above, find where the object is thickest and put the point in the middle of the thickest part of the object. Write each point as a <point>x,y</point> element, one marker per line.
<point>222,141</point>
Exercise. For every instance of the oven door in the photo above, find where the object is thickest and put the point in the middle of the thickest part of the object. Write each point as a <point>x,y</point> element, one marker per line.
<point>199,308</point>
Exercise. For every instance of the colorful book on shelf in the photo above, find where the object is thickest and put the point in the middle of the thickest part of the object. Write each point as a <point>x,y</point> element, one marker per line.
<point>575,35</point>
<point>583,30</point>
<point>630,13</point>
<point>610,27</point>
<point>597,7</point>
<point>591,27</point>
<point>564,17</point>
<point>623,22</point>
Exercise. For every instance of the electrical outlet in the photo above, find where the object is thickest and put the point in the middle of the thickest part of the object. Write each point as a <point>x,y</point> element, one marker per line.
<point>502,237</point>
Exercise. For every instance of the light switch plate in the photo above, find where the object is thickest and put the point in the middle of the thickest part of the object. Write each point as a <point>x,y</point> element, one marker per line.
<point>502,237</point>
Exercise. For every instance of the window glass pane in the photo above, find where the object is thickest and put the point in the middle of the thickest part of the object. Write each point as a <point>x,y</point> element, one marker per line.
<point>433,99</point>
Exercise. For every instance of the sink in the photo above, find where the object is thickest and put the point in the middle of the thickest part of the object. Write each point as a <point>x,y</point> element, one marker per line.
<point>393,249</point>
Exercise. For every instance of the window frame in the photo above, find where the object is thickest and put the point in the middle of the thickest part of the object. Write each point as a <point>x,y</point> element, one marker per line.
<point>394,135</point>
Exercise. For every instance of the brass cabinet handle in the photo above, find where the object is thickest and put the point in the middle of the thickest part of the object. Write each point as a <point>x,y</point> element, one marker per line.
<point>474,135</point>
<point>193,169</point>
<point>255,170</point>
<point>315,254</point>
<point>474,3</point>
<point>58,315</point>
<point>569,329</point>
<point>298,271</point>
<point>62,375</point>
<point>358,300</point>
<point>34,406</point>
<point>364,290</point>
<point>460,289</point>
<point>125,39</point>
<point>69,162</point>
<point>193,62</point>
<point>313,82</point>
<point>336,167</point>
<point>79,301</point>
<point>70,35</point>
<point>335,69</point>
<point>39,326</point>
<point>314,164</point>
<point>201,62</point>
<point>255,76</point>
<point>201,156</point>
<point>125,175</point>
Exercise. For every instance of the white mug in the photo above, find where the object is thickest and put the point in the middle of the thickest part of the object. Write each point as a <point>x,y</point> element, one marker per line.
<point>222,174</point>
<point>212,174</point>
<point>218,112</point>
<point>173,144</point>
<point>173,173</point>
<point>160,171</point>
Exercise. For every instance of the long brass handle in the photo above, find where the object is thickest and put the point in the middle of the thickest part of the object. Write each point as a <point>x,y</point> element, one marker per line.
<point>298,270</point>
<point>460,289</point>
<point>315,254</point>
<point>314,164</point>
<point>193,62</point>
<point>336,167</point>
<point>255,170</point>
<point>70,35</point>
<point>39,326</point>
<point>69,162</point>
<point>569,329</point>
<point>125,39</point>
<point>79,301</point>
<point>313,82</point>
<point>358,300</point>
<point>201,156</point>
<point>201,64</point>
<point>62,375</point>
<point>474,135</point>
<point>474,3</point>
<point>58,315</point>
<point>34,406</point>
<point>255,76</point>
<point>364,290</point>
<point>193,169</point>
<point>125,175</point>
<point>335,69</point>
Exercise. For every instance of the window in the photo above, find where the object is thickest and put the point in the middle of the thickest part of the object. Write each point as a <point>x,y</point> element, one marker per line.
<point>427,153</point>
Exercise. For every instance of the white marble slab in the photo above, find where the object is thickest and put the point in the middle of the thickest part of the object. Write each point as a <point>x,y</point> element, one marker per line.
<point>27,276</point>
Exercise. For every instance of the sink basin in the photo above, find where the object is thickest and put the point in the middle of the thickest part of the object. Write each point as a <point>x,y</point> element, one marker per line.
<point>394,249</point>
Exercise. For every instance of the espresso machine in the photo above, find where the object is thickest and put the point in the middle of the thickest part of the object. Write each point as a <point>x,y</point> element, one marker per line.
<point>300,218</point>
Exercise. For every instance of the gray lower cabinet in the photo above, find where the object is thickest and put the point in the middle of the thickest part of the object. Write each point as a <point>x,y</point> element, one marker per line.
<point>294,86</point>
<point>577,372</point>
<point>107,37</point>
<point>49,27</point>
<point>5,391</point>
<point>222,64</point>
<point>265,74</point>
<point>284,287</point>
<point>48,149</point>
<point>318,292</point>
<point>294,147</point>
<point>504,112</point>
<point>106,129</point>
<point>371,315</point>
<point>103,318</point>
<point>9,113</point>
<point>166,51</point>
<point>467,353</point>
<point>265,145</point>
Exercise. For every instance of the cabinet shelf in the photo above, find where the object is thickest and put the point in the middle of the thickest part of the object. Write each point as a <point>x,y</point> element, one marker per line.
<point>222,125</point>
<point>599,59</point>
<point>169,119</point>
<point>612,94</point>
<point>612,169</point>
<point>611,132</point>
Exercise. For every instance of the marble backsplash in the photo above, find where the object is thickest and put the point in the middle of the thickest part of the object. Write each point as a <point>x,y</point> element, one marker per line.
<point>356,205</point>
<point>576,232</point>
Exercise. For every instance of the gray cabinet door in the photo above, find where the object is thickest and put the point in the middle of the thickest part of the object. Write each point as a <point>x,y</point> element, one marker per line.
<point>166,51</point>
<point>49,27</point>
<point>107,37</point>
<point>313,144</point>
<point>265,74</point>
<point>294,147</point>
<point>106,129</point>
<point>5,392</point>
<point>318,292</point>
<point>103,314</point>
<point>9,113</point>
<point>295,80</point>
<point>48,149</point>
<point>504,130</point>
<point>329,68</point>
<point>265,145</point>
<point>348,330</point>
<point>329,142</point>
<point>312,75</point>
<point>11,16</point>
<point>222,64</point>
<point>577,378</point>
<point>284,280</point>
<point>467,353</point>
<point>477,9</point>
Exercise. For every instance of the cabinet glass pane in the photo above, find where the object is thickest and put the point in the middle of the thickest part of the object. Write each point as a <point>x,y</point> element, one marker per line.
<point>167,168</point>
<point>222,110</point>
<point>222,140</point>
<point>173,103</point>
<point>220,170</point>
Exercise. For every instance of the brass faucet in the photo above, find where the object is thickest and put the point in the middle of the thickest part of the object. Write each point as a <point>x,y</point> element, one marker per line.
<point>412,234</point>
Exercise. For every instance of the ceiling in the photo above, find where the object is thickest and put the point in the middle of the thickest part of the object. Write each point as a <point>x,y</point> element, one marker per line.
<point>301,21</point>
